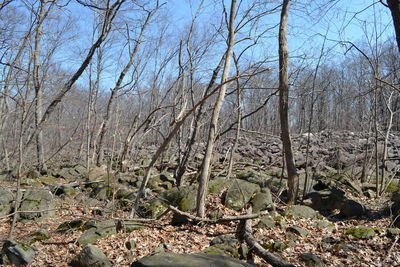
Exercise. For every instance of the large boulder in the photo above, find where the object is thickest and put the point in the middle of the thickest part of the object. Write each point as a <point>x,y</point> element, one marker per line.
<point>17,253</point>
<point>239,194</point>
<point>188,260</point>
<point>326,200</point>
<point>6,199</point>
<point>182,197</point>
<point>351,208</point>
<point>90,256</point>
<point>254,177</point>
<point>300,211</point>
<point>153,208</point>
<point>96,230</point>
<point>36,200</point>
<point>262,201</point>
<point>395,208</point>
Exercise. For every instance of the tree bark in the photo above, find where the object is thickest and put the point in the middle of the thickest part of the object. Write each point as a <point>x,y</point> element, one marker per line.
<point>293,179</point>
<point>394,6</point>
<point>36,83</point>
<point>203,180</point>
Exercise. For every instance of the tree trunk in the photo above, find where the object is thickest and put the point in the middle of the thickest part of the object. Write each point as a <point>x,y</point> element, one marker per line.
<point>293,179</point>
<point>36,82</point>
<point>394,6</point>
<point>203,180</point>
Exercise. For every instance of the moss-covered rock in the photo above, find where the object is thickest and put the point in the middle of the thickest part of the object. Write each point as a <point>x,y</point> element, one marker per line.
<point>280,221</point>
<point>324,225</point>
<point>129,226</point>
<point>90,256</point>
<point>183,197</point>
<point>276,246</point>
<point>17,253</point>
<point>69,226</point>
<point>6,199</point>
<point>217,185</point>
<point>266,222</point>
<point>37,200</point>
<point>361,232</point>
<point>96,230</point>
<point>300,211</point>
<point>239,194</point>
<point>102,192</point>
<point>39,235</point>
<point>262,201</point>
<point>297,230</point>
<point>311,260</point>
<point>153,208</point>
<point>222,249</point>
<point>392,187</point>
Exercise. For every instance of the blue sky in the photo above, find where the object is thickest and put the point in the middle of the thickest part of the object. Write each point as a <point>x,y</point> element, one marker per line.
<point>342,21</point>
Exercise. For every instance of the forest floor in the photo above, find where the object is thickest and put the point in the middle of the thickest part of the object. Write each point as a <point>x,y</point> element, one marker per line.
<point>341,250</point>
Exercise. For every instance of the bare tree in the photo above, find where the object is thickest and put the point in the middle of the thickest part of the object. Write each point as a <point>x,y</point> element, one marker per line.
<point>118,85</point>
<point>293,178</point>
<point>41,15</point>
<point>205,168</point>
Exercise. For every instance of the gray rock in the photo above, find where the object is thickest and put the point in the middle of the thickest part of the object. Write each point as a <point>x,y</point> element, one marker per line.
<point>351,208</point>
<point>90,256</point>
<point>102,192</point>
<point>300,211</point>
<point>255,178</point>
<point>96,231</point>
<point>6,199</point>
<point>184,197</point>
<point>325,225</point>
<point>33,174</point>
<point>66,190</point>
<point>37,200</point>
<point>129,226</point>
<point>125,194</point>
<point>98,173</point>
<point>225,239</point>
<point>239,194</point>
<point>69,226</point>
<point>326,200</point>
<point>395,208</point>
<point>266,222</point>
<point>39,235</point>
<point>297,230</point>
<point>153,208</point>
<point>188,260</point>
<point>361,232</point>
<point>262,201</point>
<point>311,260</point>
<point>17,253</point>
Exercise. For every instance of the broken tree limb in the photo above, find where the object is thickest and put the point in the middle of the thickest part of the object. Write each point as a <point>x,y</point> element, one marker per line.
<point>223,219</point>
<point>247,234</point>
